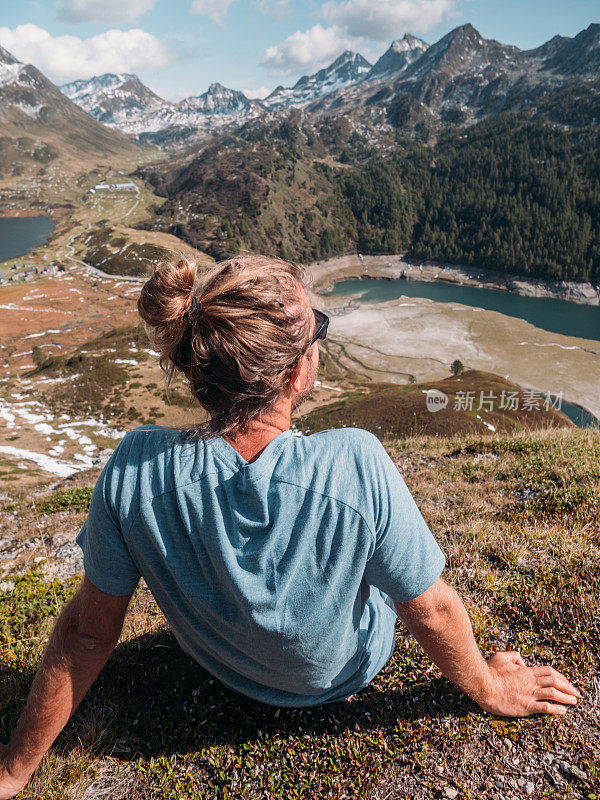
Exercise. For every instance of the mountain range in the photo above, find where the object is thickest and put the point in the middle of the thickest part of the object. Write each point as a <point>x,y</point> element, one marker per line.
<point>122,101</point>
<point>461,78</point>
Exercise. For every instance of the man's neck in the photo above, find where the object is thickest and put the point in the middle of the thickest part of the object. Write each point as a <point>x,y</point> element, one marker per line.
<point>251,442</point>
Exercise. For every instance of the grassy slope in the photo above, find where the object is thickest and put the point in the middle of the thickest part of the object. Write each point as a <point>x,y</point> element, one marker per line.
<point>64,134</point>
<point>517,517</point>
<point>126,396</point>
<point>122,394</point>
<point>309,187</point>
<point>272,194</point>
<point>392,411</point>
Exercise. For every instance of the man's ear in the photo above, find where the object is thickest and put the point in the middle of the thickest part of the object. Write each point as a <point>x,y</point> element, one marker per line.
<point>295,377</point>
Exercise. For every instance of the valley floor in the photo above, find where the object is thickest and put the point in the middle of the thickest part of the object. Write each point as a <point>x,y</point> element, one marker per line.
<point>416,338</point>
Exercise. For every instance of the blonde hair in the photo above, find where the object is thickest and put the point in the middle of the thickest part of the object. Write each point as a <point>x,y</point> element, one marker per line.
<point>236,333</point>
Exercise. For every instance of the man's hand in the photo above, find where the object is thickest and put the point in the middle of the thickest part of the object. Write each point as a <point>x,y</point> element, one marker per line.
<point>517,690</point>
<point>503,685</point>
<point>9,785</point>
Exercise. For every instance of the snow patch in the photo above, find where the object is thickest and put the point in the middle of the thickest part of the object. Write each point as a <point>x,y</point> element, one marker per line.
<point>49,464</point>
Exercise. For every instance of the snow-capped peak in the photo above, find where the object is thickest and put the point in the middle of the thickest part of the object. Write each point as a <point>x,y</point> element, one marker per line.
<point>218,99</point>
<point>99,83</point>
<point>117,99</point>
<point>400,54</point>
<point>408,43</point>
<point>10,68</point>
<point>347,69</point>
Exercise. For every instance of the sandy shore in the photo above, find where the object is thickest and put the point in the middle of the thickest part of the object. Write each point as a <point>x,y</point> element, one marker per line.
<point>417,339</point>
<point>325,273</point>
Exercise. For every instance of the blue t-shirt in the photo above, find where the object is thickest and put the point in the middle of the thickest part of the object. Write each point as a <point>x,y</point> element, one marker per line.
<point>272,574</point>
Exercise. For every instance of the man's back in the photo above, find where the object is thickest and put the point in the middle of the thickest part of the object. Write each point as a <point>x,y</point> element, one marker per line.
<point>272,574</point>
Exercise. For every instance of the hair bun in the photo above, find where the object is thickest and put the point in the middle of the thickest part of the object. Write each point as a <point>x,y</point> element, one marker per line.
<point>165,302</point>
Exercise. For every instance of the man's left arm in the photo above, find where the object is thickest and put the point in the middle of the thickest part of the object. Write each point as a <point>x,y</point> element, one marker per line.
<point>83,638</point>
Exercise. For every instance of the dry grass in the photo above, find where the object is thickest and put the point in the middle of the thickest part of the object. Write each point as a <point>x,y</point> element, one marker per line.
<point>518,519</point>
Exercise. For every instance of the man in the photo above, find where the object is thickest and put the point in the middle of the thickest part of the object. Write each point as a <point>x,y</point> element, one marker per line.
<point>279,562</point>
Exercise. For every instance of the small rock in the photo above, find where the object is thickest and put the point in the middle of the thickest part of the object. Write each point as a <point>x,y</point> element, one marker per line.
<point>450,793</point>
<point>39,559</point>
<point>439,769</point>
<point>520,782</point>
<point>102,458</point>
<point>529,788</point>
<point>575,772</point>
<point>7,586</point>
<point>508,743</point>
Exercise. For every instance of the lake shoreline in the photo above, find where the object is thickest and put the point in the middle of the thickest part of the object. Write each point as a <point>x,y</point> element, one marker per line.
<point>391,267</point>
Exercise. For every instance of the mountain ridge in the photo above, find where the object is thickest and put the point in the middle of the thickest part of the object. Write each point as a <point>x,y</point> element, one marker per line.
<point>39,124</point>
<point>460,79</point>
<point>398,56</point>
<point>123,102</point>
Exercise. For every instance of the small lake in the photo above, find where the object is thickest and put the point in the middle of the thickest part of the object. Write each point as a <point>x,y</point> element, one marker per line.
<point>548,313</point>
<point>578,415</point>
<point>19,235</point>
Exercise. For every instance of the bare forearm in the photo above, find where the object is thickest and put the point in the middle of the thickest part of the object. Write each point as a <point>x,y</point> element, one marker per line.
<point>503,684</point>
<point>68,667</point>
<point>447,637</point>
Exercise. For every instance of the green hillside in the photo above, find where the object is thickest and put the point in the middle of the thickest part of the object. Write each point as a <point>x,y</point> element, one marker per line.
<point>512,193</point>
<point>475,401</point>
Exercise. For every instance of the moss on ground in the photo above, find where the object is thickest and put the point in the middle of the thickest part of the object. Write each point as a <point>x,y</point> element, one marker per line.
<point>68,500</point>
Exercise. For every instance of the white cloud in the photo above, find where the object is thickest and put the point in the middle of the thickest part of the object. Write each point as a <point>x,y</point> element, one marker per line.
<point>215,10</point>
<point>307,50</point>
<point>384,20</point>
<point>66,58</point>
<point>257,94</point>
<point>111,11</point>
<point>274,8</point>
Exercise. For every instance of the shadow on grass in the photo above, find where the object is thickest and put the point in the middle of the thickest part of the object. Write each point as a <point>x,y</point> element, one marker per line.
<point>152,699</point>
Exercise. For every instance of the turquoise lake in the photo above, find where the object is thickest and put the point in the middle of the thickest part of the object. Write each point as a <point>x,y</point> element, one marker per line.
<point>550,314</point>
<point>19,235</point>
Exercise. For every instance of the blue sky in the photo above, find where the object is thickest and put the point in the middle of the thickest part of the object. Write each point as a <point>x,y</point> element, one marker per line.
<point>178,47</point>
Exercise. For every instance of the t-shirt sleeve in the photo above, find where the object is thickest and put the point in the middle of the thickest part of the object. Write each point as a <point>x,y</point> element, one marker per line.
<point>106,558</point>
<point>406,559</point>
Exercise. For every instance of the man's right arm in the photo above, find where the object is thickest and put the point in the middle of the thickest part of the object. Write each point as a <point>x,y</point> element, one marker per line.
<point>503,684</point>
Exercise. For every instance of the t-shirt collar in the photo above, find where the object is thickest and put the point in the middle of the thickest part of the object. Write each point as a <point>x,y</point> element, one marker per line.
<point>236,461</point>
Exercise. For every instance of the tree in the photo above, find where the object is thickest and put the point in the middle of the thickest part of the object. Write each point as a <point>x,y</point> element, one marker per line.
<point>38,356</point>
<point>456,367</point>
